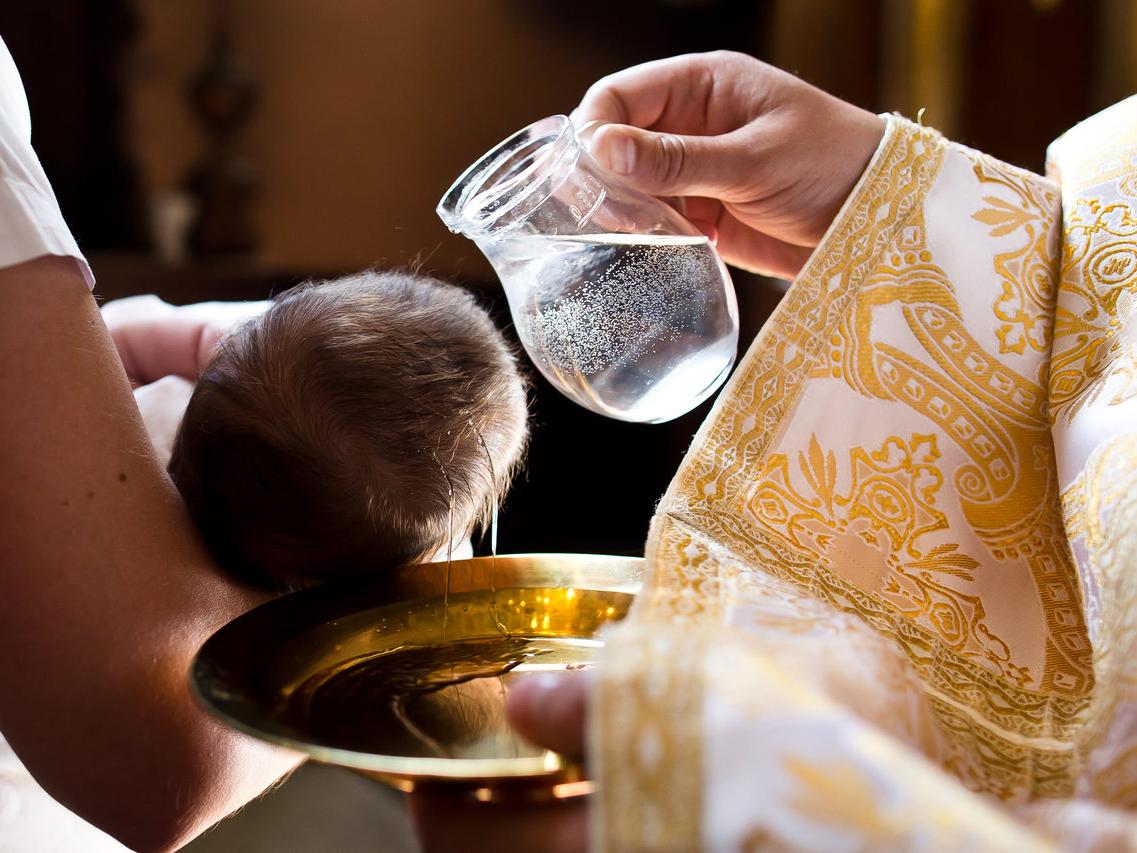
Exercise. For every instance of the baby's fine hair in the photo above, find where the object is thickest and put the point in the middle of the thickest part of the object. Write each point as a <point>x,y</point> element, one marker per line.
<point>353,427</point>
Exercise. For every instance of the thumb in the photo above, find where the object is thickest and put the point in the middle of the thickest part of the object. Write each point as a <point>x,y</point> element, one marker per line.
<point>549,710</point>
<point>666,163</point>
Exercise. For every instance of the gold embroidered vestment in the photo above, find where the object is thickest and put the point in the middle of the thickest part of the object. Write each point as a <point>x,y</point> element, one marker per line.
<point>889,589</point>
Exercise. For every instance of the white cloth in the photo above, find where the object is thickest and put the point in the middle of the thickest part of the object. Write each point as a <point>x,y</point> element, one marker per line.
<point>31,224</point>
<point>163,405</point>
<point>32,822</point>
<point>149,309</point>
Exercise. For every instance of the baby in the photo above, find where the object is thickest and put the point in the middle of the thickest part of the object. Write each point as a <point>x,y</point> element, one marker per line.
<point>355,425</point>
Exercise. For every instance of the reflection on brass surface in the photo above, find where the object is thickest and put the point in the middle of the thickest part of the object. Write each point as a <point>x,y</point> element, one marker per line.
<point>378,675</point>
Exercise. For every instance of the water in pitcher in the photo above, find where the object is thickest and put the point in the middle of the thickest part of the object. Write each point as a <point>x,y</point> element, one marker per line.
<point>636,327</point>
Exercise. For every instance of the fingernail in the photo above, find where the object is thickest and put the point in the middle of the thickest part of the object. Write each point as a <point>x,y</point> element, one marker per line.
<point>622,156</point>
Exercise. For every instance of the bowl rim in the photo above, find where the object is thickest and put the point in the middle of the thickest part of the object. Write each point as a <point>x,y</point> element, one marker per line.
<point>215,694</point>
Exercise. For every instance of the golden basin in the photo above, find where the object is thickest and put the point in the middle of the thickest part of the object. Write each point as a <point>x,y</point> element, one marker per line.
<point>404,677</point>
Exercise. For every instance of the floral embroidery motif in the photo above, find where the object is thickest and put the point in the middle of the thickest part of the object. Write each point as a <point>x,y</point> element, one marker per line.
<point>1094,339</point>
<point>888,502</point>
<point>1024,308</point>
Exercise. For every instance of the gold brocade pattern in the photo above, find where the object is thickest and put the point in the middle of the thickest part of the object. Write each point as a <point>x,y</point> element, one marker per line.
<point>639,703</point>
<point>1095,345</point>
<point>890,504</point>
<point>793,342</point>
<point>1099,278</point>
<point>922,477</point>
<point>1109,489</point>
<point>1100,506</point>
<point>1006,490</point>
<point>1025,305</point>
<point>914,585</point>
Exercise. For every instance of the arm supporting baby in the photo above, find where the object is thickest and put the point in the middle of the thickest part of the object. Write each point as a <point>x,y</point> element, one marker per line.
<point>107,591</point>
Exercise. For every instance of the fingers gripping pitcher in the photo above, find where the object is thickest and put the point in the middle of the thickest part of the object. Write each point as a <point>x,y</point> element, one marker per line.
<point>621,303</point>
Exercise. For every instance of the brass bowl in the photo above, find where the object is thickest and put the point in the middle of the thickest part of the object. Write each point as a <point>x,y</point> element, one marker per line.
<point>405,680</point>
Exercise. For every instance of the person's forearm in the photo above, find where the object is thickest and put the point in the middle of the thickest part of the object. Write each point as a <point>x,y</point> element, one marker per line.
<point>105,591</point>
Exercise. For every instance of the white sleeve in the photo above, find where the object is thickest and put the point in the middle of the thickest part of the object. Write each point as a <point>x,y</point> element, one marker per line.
<point>31,224</point>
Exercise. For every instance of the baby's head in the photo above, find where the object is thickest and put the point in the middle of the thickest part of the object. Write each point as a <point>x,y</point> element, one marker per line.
<point>332,434</point>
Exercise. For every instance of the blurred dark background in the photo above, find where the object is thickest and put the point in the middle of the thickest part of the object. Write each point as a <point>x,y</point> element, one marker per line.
<point>226,150</point>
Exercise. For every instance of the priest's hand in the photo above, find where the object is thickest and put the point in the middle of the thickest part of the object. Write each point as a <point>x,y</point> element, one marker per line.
<point>549,711</point>
<point>761,160</point>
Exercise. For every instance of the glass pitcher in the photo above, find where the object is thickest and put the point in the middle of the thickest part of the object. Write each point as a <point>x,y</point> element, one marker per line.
<point>621,303</point>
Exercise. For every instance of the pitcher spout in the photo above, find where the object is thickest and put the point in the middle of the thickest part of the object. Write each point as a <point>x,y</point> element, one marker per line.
<point>512,180</point>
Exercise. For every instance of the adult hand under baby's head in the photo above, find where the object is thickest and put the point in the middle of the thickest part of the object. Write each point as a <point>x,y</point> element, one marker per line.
<point>155,339</point>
